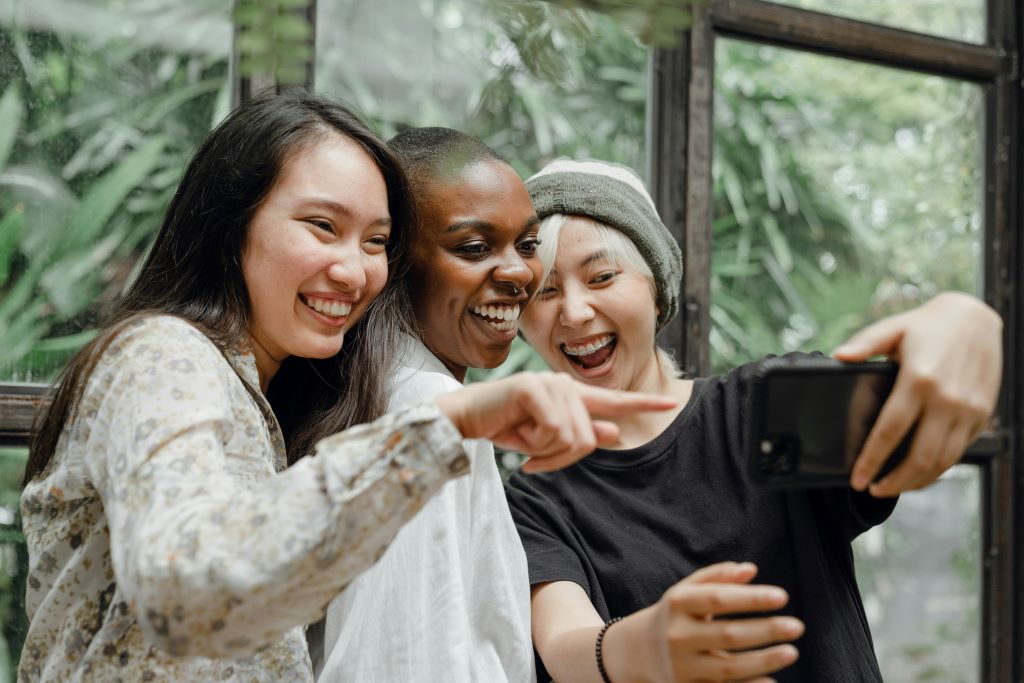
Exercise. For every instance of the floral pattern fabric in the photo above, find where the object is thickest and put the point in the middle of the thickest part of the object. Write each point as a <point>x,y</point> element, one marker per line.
<point>167,540</point>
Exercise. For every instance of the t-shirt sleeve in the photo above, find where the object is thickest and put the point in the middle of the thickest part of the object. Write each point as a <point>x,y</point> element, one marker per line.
<point>853,512</point>
<point>545,532</point>
<point>848,512</point>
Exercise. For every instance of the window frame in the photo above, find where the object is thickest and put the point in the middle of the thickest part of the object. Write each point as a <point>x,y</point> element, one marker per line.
<point>679,138</point>
<point>680,135</point>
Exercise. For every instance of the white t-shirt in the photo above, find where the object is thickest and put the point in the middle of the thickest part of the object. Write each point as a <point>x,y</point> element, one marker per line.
<point>450,599</point>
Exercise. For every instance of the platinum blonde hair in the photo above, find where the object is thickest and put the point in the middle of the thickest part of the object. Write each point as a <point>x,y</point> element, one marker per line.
<point>621,252</point>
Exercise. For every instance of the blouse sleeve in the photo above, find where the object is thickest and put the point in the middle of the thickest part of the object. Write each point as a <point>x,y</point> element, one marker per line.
<point>215,566</point>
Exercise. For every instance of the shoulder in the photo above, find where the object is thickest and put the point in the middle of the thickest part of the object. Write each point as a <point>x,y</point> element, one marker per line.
<point>162,330</point>
<point>419,376</point>
<point>161,340</point>
<point>547,490</point>
<point>159,356</point>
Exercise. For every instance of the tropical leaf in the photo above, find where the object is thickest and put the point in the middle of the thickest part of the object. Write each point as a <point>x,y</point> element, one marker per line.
<point>11,226</point>
<point>104,198</point>
<point>10,122</point>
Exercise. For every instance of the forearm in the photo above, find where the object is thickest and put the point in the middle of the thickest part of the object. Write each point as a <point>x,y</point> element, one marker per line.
<point>570,657</point>
<point>218,569</point>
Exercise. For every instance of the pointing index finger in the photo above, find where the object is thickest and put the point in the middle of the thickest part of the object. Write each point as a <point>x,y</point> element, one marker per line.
<point>602,402</point>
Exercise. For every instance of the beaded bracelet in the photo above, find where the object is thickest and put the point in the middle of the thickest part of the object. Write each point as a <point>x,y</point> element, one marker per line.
<point>597,649</point>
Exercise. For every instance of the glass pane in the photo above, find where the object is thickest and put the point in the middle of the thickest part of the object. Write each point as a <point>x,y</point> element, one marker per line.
<point>843,192</point>
<point>532,80</point>
<point>919,574</point>
<point>957,19</point>
<point>103,101</point>
<point>13,563</point>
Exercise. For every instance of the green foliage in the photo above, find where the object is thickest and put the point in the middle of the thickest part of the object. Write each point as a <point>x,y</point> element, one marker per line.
<point>274,38</point>
<point>93,139</point>
<point>657,23</point>
<point>90,165</point>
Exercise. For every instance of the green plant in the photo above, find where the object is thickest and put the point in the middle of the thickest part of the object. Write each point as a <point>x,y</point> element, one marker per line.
<point>84,175</point>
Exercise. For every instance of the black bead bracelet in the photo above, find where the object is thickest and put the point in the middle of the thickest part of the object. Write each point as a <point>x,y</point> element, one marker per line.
<point>597,649</point>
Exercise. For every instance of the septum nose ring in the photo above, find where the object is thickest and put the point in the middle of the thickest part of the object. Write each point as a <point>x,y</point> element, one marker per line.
<point>516,290</point>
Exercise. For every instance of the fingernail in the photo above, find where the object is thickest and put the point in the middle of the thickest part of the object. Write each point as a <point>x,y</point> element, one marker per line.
<point>775,594</point>
<point>859,481</point>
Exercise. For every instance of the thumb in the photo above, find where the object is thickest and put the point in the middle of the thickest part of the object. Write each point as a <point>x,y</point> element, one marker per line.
<point>607,433</point>
<point>883,337</point>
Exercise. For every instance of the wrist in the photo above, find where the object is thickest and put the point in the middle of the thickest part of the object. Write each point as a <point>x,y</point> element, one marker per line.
<point>602,670</point>
<point>449,405</point>
<point>625,650</point>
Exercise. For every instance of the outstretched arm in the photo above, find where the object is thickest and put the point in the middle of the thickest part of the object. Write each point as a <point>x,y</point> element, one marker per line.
<point>675,640</point>
<point>950,354</point>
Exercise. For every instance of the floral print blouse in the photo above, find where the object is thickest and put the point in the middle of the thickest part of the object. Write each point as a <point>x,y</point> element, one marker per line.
<point>167,540</point>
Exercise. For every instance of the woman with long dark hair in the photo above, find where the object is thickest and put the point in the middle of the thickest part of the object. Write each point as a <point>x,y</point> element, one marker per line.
<point>175,530</point>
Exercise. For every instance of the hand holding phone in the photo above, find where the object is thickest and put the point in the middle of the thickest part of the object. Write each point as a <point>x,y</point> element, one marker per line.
<point>950,356</point>
<point>809,416</point>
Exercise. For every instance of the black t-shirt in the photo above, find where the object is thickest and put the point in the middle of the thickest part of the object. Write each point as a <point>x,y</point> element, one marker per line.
<point>626,525</point>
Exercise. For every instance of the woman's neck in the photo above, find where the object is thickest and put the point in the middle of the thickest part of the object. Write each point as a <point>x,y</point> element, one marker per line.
<point>266,365</point>
<point>639,428</point>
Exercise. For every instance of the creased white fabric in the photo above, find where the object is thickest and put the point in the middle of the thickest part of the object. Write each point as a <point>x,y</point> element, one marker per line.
<point>450,599</point>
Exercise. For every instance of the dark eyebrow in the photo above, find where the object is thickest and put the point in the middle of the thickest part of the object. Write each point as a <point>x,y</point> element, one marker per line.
<point>339,209</point>
<point>484,226</point>
<point>596,256</point>
<point>469,224</point>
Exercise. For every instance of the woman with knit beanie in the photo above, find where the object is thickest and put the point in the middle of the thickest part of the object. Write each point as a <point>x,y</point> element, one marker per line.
<point>661,533</point>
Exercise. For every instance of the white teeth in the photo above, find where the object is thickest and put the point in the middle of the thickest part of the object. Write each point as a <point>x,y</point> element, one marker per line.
<point>588,348</point>
<point>328,307</point>
<point>507,314</point>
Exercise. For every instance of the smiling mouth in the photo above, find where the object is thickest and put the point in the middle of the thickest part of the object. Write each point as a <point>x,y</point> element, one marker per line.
<point>591,354</point>
<point>327,307</point>
<point>499,316</point>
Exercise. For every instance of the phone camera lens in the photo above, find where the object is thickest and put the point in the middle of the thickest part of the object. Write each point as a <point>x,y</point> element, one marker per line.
<point>778,455</point>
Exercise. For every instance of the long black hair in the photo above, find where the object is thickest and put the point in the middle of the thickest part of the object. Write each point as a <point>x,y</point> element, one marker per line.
<point>194,271</point>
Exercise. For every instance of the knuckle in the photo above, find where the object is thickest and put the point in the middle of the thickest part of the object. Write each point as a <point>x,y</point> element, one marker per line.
<point>888,431</point>
<point>923,381</point>
<point>677,600</point>
<point>677,639</point>
<point>587,442</point>
<point>948,397</point>
<point>979,408</point>
<point>730,636</point>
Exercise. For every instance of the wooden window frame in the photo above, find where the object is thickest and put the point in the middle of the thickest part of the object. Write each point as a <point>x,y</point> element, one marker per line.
<point>680,135</point>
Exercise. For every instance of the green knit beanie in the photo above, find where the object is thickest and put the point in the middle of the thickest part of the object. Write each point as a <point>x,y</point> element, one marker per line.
<point>614,195</point>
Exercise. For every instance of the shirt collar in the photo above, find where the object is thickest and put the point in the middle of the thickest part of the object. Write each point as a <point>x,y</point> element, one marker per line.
<point>415,354</point>
<point>243,361</point>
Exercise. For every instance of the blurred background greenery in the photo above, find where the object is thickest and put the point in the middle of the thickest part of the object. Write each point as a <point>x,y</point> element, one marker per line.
<point>842,193</point>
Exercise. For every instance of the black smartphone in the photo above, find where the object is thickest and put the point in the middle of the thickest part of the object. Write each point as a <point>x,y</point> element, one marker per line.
<point>808,418</point>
